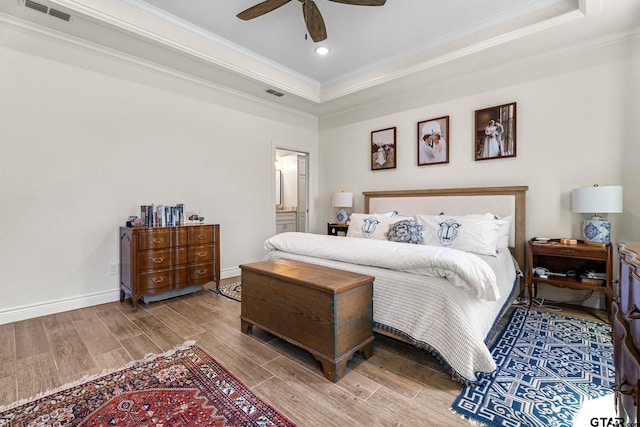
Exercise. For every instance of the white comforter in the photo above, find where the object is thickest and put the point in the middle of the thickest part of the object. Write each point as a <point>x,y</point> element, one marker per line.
<point>434,313</point>
<point>462,269</point>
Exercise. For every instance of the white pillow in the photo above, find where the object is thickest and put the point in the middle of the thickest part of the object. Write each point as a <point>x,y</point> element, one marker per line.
<point>371,226</point>
<point>471,233</point>
<point>504,229</point>
<point>390,213</point>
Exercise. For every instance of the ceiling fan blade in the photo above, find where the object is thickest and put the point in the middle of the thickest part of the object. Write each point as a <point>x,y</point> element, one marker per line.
<point>362,2</point>
<point>261,8</point>
<point>313,20</point>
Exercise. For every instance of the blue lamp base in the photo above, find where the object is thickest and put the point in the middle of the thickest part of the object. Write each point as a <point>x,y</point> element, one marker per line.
<point>342,216</point>
<point>597,230</point>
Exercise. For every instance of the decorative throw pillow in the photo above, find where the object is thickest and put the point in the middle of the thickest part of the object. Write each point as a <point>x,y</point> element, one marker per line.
<point>470,233</point>
<point>370,226</point>
<point>405,231</point>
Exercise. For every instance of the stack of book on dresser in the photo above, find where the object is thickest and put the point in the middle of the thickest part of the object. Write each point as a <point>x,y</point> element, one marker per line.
<point>162,216</point>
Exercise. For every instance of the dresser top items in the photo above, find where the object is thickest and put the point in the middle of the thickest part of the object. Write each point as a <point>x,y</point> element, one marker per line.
<point>164,216</point>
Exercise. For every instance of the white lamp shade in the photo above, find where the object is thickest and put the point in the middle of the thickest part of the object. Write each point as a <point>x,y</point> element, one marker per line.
<point>597,199</point>
<point>342,200</point>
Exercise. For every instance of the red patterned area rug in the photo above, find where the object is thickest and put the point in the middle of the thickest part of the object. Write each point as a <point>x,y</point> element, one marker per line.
<point>183,387</point>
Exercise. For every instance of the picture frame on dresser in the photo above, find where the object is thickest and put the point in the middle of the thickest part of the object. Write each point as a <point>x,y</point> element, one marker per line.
<point>495,132</point>
<point>383,149</point>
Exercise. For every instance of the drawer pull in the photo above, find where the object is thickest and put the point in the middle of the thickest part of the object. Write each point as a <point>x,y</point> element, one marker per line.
<point>634,312</point>
<point>158,240</point>
<point>201,254</point>
<point>157,260</point>
<point>201,236</point>
<point>568,251</point>
<point>203,271</point>
<point>157,279</point>
<point>624,387</point>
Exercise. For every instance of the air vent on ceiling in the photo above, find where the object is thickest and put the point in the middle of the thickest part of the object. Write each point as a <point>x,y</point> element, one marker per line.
<point>274,92</point>
<point>44,9</point>
<point>60,15</point>
<point>36,6</point>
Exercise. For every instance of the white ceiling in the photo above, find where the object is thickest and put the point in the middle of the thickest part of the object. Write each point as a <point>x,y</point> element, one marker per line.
<point>372,48</point>
<point>360,37</point>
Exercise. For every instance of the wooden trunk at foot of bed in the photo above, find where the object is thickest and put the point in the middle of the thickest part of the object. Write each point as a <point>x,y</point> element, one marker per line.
<point>325,311</point>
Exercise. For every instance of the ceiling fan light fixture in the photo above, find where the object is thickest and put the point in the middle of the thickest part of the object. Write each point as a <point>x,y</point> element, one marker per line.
<point>312,17</point>
<point>322,50</point>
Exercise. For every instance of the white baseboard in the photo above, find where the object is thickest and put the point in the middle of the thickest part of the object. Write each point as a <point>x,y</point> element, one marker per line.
<point>57,306</point>
<point>230,272</point>
<point>82,301</point>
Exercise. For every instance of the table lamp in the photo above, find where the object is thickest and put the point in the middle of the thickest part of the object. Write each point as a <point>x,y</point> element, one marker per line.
<point>342,200</point>
<point>597,200</point>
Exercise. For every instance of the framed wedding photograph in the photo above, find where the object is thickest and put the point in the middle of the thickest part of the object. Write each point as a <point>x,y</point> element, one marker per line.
<point>495,132</point>
<point>433,141</point>
<point>383,149</point>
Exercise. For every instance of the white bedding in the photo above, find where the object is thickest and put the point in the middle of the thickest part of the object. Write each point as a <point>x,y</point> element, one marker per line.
<point>462,269</point>
<point>435,305</point>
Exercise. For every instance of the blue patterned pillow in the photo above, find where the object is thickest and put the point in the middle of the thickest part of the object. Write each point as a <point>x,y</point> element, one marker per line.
<point>405,231</point>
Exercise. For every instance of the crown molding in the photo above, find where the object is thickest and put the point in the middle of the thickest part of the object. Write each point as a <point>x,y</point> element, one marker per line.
<point>156,25</point>
<point>37,31</point>
<point>409,67</point>
<point>135,21</point>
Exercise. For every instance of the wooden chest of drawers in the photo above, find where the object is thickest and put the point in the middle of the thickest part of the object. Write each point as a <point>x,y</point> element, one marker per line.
<point>626,334</point>
<point>325,311</point>
<point>161,259</point>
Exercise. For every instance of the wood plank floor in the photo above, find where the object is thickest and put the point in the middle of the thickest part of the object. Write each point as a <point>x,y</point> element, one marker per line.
<point>398,386</point>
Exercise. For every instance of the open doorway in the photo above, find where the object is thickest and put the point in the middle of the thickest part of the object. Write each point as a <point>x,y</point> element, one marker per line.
<point>291,190</point>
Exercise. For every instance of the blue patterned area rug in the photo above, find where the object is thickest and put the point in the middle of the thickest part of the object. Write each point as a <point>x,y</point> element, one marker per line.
<point>552,371</point>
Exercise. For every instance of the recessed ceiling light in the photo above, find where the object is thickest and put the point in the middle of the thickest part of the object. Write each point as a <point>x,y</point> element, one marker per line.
<point>322,50</point>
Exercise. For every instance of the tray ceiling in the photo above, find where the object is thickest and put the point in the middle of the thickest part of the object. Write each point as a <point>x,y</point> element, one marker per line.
<point>370,47</point>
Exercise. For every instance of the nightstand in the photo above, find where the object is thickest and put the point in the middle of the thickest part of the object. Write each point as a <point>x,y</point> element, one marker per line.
<point>569,266</point>
<point>334,229</point>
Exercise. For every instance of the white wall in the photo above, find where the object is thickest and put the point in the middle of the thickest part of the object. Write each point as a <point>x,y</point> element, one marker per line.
<point>576,126</point>
<point>87,139</point>
<point>630,152</point>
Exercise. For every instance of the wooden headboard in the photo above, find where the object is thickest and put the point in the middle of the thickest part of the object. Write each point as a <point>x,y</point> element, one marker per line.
<point>502,201</point>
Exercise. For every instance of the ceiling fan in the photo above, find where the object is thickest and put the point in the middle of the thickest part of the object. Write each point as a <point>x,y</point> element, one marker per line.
<point>312,17</point>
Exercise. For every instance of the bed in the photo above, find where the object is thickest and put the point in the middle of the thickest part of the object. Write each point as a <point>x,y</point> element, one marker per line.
<point>438,297</point>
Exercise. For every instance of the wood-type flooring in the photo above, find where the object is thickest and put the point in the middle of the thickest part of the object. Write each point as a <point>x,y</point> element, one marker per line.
<point>398,386</point>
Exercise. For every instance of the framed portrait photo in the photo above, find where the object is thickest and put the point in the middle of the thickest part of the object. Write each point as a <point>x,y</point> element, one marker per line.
<point>433,141</point>
<point>495,132</point>
<point>383,149</point>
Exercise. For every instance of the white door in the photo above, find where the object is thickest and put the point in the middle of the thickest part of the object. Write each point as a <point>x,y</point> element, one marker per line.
<point>292,189</point>
<point>302,193</point>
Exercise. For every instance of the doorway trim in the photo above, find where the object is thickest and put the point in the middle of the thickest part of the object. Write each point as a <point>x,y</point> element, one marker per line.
<point>311,181</point>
